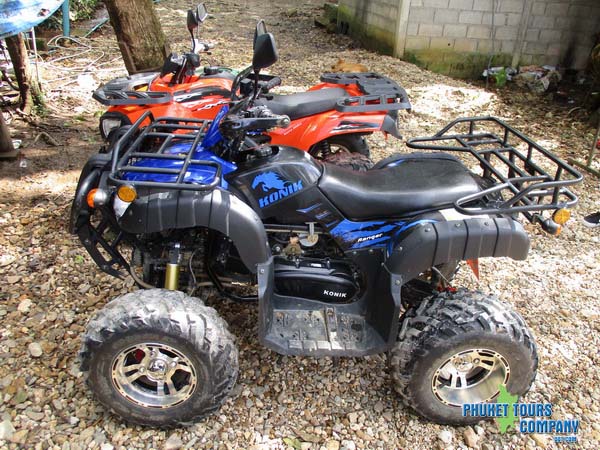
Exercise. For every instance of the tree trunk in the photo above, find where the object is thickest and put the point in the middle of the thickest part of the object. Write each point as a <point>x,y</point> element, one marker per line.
<point>29,89</point>
<point>6,146</point>
<point>139,34</point>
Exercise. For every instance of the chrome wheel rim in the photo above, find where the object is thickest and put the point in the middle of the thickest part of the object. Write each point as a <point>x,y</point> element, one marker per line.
<point>335,148</point>
<point>470,376</point>
<point>154,375</point>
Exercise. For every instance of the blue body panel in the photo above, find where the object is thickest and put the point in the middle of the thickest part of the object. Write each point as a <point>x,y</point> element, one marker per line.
<point>372,233</point>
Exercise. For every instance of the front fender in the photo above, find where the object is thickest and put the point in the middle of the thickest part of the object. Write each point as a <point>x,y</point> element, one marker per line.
<point>218,210</point>
<point>430,244</point>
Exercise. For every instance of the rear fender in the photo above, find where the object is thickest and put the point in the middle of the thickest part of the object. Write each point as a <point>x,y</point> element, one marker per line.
<point>218,210</point>
<point>305,132</point>
<point>439,241</point>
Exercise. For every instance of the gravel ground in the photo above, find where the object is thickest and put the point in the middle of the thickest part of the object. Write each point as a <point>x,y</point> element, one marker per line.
<point>50,286</point>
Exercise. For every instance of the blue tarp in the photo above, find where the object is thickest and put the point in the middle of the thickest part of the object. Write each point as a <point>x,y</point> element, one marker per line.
<point>21,15</point>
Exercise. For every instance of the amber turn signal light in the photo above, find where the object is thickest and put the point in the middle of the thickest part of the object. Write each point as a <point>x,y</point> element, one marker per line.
<point>561,216</point>
<point>127,193</point>
<point>90,197</point>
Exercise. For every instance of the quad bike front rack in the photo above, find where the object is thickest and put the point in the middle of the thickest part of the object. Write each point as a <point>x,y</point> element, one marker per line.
<point>149,142</point>
<point>525,177</point>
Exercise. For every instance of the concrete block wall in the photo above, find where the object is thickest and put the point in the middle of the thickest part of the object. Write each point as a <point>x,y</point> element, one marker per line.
<point>561,32</point>
<point>372,22</point>
<point>463,25</point>
<point>455,36</point>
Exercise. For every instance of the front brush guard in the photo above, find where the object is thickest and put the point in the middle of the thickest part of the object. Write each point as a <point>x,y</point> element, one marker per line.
<point>93,237</point>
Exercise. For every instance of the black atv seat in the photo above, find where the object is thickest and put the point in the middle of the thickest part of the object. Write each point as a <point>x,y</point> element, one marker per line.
<point>305,103</point>
<point>410,185</point>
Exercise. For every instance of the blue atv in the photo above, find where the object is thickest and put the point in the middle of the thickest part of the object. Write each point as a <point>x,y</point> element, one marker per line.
<point>340,262</point>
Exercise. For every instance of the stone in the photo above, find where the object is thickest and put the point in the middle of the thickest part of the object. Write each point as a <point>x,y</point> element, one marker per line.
<point>539,439</point>
<point>33,415</point>
<point>174,442</point>
<point>87,433</point>
<point>446,436</point>
<point>378,407</point>
<point>348,445</point>
<point>20,437</point>
<point>332,444</point>
<point>353,417</point>
<point>6,429</point>
<point>470,437</point>
<point>24,305</point>
<point>35,349</point>
<point>107,446</point>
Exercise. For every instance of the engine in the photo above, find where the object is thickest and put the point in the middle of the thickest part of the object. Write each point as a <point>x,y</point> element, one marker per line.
<point>321,280</point>
<point>308,264</point>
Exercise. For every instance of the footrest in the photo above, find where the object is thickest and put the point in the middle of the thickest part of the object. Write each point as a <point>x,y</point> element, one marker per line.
<point>300,326</point>
<point>314,331</point>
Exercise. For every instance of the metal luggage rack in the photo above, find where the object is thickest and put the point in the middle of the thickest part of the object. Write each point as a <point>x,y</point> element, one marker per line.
<point>380,92</point>
<point>158,135</point>
<point>366,103</point>
<point>115,97</point>
<point>527,177</point>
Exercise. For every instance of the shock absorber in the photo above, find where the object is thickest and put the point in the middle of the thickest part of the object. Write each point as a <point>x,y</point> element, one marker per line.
<point>172,272</point>
<point>321,149</point>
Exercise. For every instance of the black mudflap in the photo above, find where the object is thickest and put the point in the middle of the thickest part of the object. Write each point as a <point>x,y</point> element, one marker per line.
<point>297,326</point>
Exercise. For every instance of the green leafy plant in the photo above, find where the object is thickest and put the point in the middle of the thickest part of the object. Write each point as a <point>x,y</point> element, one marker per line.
<point>78,10</point>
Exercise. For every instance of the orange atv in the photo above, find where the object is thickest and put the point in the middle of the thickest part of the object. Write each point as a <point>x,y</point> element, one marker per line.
<point>333,115</point>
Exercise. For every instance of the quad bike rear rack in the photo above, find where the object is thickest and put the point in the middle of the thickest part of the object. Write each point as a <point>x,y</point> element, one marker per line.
<point>526,178</point>
<point>130,90</point>
<point>113,98</point>
<point>150,142</point>
<point>380,92</point>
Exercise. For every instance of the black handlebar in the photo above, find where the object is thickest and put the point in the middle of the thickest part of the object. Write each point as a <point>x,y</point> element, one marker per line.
<point>271,84</point>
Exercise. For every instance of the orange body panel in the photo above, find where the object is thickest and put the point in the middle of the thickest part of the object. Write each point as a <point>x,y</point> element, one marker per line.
<point>302,133</point>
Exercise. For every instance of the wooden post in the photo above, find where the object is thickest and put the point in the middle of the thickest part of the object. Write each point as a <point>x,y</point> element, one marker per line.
<point>7,151</point>
<point>139,34</point>
<point>29,88</point>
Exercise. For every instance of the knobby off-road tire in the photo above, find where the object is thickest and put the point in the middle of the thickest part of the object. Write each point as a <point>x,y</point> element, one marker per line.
<point>459,325</point>
<point>353,161</point>
<point>350,143</point>
<point>177,328</point>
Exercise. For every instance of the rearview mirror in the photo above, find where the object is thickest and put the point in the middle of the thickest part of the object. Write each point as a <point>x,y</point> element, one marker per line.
<point>261,28</point>
<point>201,13</point>
<point>265,52</point>
<point>192,23</point>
